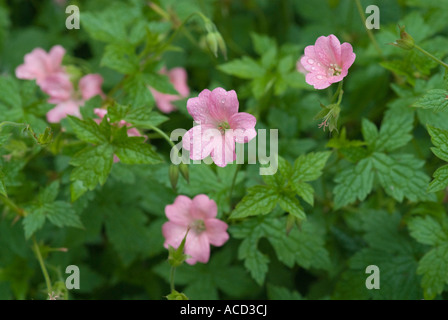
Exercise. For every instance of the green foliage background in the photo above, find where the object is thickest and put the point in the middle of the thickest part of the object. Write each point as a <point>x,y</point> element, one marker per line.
<point>361,196</point>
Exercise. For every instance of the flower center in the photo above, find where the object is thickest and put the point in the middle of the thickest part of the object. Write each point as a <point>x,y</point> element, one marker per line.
<point>223,126</point>
<point>334,70</point>
<point>198,226</point>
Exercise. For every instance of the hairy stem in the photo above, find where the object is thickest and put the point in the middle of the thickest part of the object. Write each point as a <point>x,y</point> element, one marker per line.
<point>163,134</point>
<point>42,265</point>
<point>429,55</point>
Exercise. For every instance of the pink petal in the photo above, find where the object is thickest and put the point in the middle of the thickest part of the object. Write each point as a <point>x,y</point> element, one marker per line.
<point>198,247</point>
<point>133,132</point>
<point>35,66</point>
<point>223,151</point>
<point>178,77</point>
<point>173,234</point>
<point>58,86</point>
<point>179,211</point>
<point>328,49</point>
<point>62,110</point>
<point>203,207</point>
<point>347,56</point>
<point>90,86</point>
<point>216,231</point>
<point>201,141</point>
<point>55,57</point>
<point>198,107</point>
<point>243,125</point>
<point>319,81</point>
<point>163,101</point>
<point>300,67</point>
<point>100,112</point>
<point>223,104</point>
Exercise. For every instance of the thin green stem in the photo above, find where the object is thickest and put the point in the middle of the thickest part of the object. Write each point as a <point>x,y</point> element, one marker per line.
<point>42,265</point>
<point>172,272</point>
<point>369,32</point>
<point>338,94</point>
<point>163,134</point>
<point>429,55</point>
<point>233,183</point>
<point>12,124</point>
<point>13,206</point>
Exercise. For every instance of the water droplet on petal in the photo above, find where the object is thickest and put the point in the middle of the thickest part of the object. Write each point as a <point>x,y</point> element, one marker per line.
<point>310,61</point>
<point>223,101</point>
<point>313,68</point>
<point>319,77</point>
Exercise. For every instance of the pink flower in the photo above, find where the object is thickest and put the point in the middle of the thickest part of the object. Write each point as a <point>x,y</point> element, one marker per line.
<point>132,132</point>
<point>327,61</point>
<point>198,214</point>
<point>300,67</point>
<point>220,125</point>
<point>68,101</point>
<point>39,64</point>
<point>178,77</point>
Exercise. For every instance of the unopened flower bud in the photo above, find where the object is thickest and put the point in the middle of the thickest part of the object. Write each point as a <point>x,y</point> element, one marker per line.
<point>174,175</point>
<point>405,42</point>
<point>174,295</point>
<point>184,171</point>
<point>46,137</point>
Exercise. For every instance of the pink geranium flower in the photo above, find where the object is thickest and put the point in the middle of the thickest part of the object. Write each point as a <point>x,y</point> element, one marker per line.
<point>39,64</point>
<point>132,132</point>
<point>198,215</point>
<point>68,101</point>
<point>178,77</point>
<point>327,61</point>
<point>220,125</point>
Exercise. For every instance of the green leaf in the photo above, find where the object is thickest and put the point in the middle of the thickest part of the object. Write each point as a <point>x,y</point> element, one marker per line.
<point>33,222</point>
<point>427,231</point>
<point>305,247</point>
<point>160,83</point>
<point>133,150</point>
<point>128,233</point>
<point>291,204</point>
<point>62,214</point>
<point>244,68</point>
<point>304,190</point>
<point>259,200</point>
<point>49,194</point>
<point>434,268</point>
<point>309,167</point>
<point>89,131</point>
<point>120,58</point>
<point>354,183</point>
<point>138,92</point>
<point>254,261</point>
<point>141,116</point>
<point>395,131</point>
<point>109,24</point>
<point>436,99</point>
<point>262,43</point>
<point>93,165</point>
<point>282,293</point>
<point>440,181</point>
<point>369,131</point>
<point>400,176</point>
<point>439,138</point>
<point>9,92</point>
